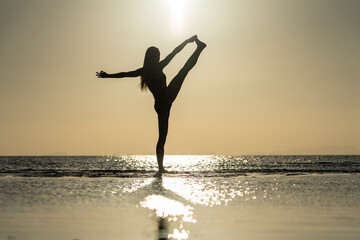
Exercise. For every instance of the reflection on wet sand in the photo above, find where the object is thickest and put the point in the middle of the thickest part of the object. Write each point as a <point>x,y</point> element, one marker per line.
<point>173,200</point>
<point>163,229</point>
<point>168,206</point>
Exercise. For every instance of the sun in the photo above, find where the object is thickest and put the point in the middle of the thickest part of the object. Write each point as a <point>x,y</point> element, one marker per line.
<point>177,11</point>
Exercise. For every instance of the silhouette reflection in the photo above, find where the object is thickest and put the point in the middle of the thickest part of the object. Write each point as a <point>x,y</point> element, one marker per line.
<point>163,229</point>
<point>172,211</point>
<point>172,200</point>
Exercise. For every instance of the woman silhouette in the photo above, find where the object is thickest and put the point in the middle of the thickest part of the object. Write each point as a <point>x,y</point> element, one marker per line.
<point>152,77</point>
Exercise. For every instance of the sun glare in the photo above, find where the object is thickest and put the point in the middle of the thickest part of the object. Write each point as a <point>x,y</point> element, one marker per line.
<point>165,207</point>
<point>177,11</point>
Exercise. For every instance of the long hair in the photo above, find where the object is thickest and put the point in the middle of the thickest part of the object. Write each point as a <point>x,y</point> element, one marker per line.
<point>152,57</point>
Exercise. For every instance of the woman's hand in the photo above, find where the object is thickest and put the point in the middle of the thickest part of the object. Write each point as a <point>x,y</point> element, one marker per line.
<point>102,74</point>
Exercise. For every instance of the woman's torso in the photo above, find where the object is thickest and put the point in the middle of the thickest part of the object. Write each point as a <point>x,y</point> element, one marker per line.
<point>156,82</point>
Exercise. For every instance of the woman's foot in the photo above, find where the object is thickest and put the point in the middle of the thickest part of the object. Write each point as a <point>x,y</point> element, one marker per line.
<point>163,170</point>
<point>200,44</point>
<point>160,172</point>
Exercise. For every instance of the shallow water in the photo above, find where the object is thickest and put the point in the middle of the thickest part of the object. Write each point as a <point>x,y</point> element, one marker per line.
<point>196,165</point>
<point>205,197</point>
<point>256,206</point>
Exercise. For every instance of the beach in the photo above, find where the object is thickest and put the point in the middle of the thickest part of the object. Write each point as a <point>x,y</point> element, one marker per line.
<point>180,120</point>
<point>181,206</point>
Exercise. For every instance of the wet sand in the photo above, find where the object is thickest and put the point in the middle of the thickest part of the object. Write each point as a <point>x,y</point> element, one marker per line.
<point>319,206</point>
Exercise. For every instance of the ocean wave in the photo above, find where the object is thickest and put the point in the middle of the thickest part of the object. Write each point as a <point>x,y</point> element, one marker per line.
<point>146,173</point>
<point>187,165</point>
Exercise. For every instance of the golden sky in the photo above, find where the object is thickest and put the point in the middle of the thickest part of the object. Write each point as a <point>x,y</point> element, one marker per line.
<point>277,77</point>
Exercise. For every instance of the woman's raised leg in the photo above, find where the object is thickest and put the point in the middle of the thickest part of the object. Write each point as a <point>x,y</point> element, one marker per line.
<point>163,121</point>
<point>175,84</point>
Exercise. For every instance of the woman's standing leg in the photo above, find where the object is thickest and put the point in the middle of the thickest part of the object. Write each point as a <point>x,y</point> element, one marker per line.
<point>163,121</point>
<point>175,84</point>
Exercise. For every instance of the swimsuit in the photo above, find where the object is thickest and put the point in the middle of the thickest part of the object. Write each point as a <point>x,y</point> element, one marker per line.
<point>162,104</point>
<point>158,88</point>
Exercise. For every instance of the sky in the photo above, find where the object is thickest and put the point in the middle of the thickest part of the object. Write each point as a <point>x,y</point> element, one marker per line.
<point>277,77</point>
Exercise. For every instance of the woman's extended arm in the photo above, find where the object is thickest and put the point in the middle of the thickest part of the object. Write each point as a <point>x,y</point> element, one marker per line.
<point>169,57</point>
<point>135,73</point>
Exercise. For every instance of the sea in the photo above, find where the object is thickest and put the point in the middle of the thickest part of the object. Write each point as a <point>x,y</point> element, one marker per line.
<point>202,197</point>
<point>192,165</point>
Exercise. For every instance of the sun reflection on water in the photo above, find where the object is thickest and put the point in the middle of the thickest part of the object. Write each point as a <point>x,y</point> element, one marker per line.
<point>137,185</point>
<point>190,162</point>
<point>179,234</point>
<point>173,199</point>
<point>206,192</point>
<point>169,208</point>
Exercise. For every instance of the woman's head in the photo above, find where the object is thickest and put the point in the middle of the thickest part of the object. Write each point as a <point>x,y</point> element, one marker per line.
<point>152,57</point>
